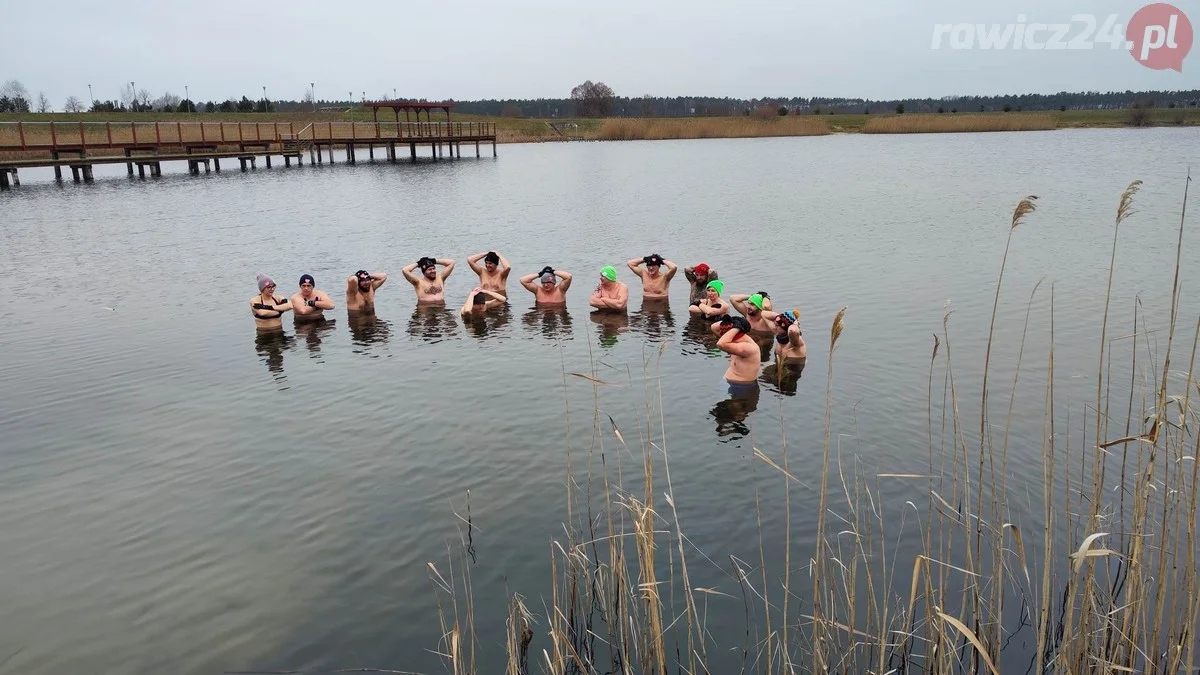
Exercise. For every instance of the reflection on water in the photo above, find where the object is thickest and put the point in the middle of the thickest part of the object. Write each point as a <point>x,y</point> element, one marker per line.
<point>732,412</point>
<point>488,324</point>
<point>271,344</point>
<point>367,330</point>
<point>433,323</point>
<point>654,320</point>
<point>611,325</point>
<point>698,338</point>
<point>312,332</point>
<point>554,323</point>
<point>783,377</point>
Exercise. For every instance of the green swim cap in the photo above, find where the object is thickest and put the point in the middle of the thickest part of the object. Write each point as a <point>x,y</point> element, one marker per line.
<point>609,272</point>
<point>717,285</point>
<point>756,300</point>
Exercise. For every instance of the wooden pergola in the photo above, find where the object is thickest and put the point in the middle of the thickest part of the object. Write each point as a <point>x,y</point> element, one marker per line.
<point>409,106</point>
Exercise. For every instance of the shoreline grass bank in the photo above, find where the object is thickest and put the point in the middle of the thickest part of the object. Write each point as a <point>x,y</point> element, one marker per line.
<point>536,130</point>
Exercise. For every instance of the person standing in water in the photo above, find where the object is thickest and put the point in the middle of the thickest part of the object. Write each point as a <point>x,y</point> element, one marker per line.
<point>698,277</point>
<point>309,304</point>
<point>360,290</point>
<point>493,274</point>
<point>610,294</point>
<point>743,353</point>
<point>654,282</point>
<point>431,284</point>
<point>480,300</point>
<point>757,310</point>
<point>712,306</point>
<point>789,341</point>
<point>549,291</point>
<point>266,308</point>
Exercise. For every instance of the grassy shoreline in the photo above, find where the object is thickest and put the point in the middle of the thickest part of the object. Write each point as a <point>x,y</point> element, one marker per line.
<point>533,130</point>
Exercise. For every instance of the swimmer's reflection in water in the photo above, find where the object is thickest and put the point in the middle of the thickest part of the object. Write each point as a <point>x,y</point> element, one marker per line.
<point>698,338</point>
<point>654,320</point>
<point>783,375</point>
<point>553,322</point>
<point>732,412</point>
<point>367,329</point>
<point>612,324</point>
<point>489,323</point>
<point>271,344</point>
<point>433,323</point>
<point>312,331</point>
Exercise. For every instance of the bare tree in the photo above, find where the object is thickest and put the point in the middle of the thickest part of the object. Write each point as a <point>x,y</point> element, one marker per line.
<point>308,96</point>
<point>166,101</point>
<point>43,102</point>
<point>143,97</point>
<point>128,96</point>
<point>592,99</point>
<point>14,89</point>
<point>73,105</point>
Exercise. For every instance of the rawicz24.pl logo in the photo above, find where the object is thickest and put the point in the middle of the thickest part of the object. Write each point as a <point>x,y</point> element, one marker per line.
<point>1158,36</point>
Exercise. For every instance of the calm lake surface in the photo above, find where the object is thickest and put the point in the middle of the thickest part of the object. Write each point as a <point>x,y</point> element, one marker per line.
<point>178,494</point>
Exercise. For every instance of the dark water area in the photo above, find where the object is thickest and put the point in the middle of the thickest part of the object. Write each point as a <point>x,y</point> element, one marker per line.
<point>180,493</point>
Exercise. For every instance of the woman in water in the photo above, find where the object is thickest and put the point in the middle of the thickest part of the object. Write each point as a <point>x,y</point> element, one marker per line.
<point>266,308</point>
<point>713,305</point>
<point>789,343</point>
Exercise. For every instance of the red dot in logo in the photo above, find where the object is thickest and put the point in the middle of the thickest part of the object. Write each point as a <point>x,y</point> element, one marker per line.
<point>1159,36</point>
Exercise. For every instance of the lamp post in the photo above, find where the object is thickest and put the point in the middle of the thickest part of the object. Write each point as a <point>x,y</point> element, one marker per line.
<point>90,97</point>
<point>133,89</point>
<point>266,107</point>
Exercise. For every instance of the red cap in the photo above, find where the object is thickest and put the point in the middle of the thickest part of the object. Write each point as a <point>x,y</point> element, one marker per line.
<point>702,269</point>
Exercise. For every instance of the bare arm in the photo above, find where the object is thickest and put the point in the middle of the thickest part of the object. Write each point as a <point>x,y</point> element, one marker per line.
<point>473,262</point>
<point>726,344</point>
<point>689,273</point>
<point>493,295</point>
<point>504,262</point>
<point>566,280</point>
<point>377,279</point>
<point>447,266</point>
<point>794,335</point>
<point>739,302</point>
<point>301,306</point>
<point>351,283</point>
<point>622,299</point>
<point>634,264</point>
<point>672,268</point>
<point>527,282</point>
<point>408,274</point>
<point>710,310</point>
<point>324,302</point>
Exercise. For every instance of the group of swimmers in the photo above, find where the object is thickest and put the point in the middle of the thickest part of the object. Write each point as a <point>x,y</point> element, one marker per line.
<point>755,314</point>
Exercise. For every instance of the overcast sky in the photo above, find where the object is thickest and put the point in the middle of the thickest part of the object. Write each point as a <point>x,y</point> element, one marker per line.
<point>470,49</point>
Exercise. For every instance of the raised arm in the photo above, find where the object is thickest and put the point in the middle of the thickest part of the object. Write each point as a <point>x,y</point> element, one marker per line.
<point>566,280</point>
<point>447,266</point>
<point>738,300</point>
<point>728,344</point>
<point>473,262</point>
<point>503,262</point>
<point>689,273</point>
<point>672,268</point>
<point>410,275</point>
<point>527,282</point>
<point>351,283</point>
<point>377,279</point>
<point>634,264</point>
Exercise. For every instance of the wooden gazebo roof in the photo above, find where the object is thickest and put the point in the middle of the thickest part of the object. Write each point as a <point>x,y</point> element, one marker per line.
<point>406,106</point>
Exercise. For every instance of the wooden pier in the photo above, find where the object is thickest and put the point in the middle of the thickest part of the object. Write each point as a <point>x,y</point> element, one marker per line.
<point>146,145</point>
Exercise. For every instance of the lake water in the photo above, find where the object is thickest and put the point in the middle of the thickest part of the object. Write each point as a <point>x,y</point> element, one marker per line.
<point>178,494</point>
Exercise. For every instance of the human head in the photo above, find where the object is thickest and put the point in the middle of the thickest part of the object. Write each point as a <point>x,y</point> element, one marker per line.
<point>784,321</point>
<point>608,274</point>
<point>479,303</point>
<point>428,267</point>
<point>739,323</point>
<point>653,262</point>
<point>364,280</point>
<point>701,271</point>
<point>265,283</point>
<point>307,284</point>
<point>490,261</point>
<point>714,288</point>
<point>546,278</point>
<point>754,304</point>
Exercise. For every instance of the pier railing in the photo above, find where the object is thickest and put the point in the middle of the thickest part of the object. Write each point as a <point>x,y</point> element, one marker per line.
<point>81,136</point>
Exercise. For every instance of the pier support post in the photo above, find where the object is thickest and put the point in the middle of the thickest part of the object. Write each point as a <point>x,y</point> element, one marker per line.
<point>493,148</point>
<point>371,152</point>
<point>319,159</point>
<point>268,161</point>
<point>87,173</point>
<point>129,165</point>
<point>156,170</point>
<point>242,161</point>
<point>287,160</point>
<point>206,167</point>
<point>193,167</point>
<point>476,148</point>
<point>217,164</point>
<point>75,173</point>
<point>142,171</point>
<point>391,152</point>
<point>3,179</point>
<point>412,149</point>
<point>16,178</point>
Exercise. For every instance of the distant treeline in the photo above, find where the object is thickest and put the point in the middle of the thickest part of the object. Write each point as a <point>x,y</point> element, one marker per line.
<point>681,106</point>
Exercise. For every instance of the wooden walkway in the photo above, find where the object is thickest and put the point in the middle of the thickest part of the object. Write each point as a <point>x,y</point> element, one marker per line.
<point>145,145</point>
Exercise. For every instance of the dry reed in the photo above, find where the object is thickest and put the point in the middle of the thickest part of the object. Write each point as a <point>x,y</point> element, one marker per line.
<point>1095,601</point>
<point>709,127</point>
<point>935,124</point>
